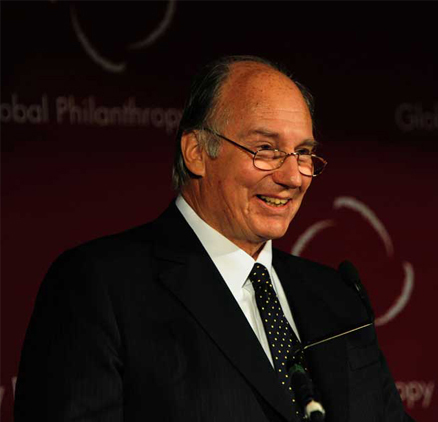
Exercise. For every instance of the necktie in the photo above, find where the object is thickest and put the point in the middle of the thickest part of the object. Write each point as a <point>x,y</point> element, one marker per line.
<point>279,333</point>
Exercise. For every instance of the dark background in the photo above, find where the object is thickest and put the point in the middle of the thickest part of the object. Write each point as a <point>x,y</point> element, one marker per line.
<point>372,68</point>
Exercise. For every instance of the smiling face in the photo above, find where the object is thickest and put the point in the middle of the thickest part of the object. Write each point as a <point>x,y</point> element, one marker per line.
<point>247,205</point>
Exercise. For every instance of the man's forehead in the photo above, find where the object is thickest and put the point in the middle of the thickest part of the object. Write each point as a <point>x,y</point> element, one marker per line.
<point>248,74</point>
<point>249,82</point>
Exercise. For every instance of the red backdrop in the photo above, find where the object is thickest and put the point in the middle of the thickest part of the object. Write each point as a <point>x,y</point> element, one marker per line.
<point>90,98</point>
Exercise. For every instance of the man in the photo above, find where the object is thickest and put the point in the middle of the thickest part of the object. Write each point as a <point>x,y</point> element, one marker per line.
<point>167,322</point>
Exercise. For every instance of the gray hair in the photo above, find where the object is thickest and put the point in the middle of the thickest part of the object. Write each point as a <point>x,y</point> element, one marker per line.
<point>201,109</point>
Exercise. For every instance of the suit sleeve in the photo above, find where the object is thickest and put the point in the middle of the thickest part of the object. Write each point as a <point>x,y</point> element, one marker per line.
<point>71,366</point>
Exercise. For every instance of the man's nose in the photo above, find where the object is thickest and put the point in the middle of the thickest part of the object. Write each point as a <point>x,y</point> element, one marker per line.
<point>288,174</point>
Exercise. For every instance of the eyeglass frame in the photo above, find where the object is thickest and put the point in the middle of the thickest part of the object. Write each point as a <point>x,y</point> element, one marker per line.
<point>288,154</point>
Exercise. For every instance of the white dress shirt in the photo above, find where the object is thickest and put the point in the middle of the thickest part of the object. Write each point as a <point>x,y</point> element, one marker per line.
<point>235,265</point>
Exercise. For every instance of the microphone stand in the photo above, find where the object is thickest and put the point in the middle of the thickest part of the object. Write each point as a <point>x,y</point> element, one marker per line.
<point>344,333</point>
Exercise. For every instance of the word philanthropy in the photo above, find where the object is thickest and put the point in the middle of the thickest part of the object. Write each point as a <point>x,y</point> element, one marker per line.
<point>68,109</point>
<point>416,392</point>
<point>410,117</point>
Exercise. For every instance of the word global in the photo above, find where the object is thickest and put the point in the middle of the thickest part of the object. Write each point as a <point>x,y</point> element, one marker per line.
<point>87,111</point>
<point>409,117</point>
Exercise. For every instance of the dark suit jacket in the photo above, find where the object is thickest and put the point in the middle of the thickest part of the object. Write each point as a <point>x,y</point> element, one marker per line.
<point>140,326</point>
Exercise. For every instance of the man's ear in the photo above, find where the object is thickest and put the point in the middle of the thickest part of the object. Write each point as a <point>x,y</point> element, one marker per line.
<point>193,153</point>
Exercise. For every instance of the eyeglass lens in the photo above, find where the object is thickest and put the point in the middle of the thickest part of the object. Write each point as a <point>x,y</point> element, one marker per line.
<point>271,160</point>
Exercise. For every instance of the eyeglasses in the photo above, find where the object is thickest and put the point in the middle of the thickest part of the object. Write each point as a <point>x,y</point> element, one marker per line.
<point>268,159</point>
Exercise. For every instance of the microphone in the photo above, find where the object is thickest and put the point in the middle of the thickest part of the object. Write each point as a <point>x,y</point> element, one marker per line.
<point>305,394</point>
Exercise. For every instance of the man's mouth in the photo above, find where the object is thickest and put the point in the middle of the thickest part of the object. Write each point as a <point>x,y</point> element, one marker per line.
<point>276,202</point>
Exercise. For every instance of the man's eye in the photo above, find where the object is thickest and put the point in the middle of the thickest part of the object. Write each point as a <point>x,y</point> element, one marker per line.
<point>265,146</point>
<point>304,151</point>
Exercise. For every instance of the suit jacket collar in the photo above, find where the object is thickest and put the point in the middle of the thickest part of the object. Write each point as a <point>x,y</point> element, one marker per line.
<point>187,271</point>
<point>233,263</point>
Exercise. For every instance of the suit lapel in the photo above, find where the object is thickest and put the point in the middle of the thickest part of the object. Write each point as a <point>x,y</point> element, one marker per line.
<point>315,319</point>
<point>188,272</point>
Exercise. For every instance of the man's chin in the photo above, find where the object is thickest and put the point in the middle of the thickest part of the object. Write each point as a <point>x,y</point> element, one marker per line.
<point>272,233</point>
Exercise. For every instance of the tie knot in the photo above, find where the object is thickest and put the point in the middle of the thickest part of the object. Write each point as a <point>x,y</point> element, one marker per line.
<point>259,275</point>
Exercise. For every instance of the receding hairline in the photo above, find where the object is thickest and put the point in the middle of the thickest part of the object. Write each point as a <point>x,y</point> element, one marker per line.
<point>246,70</point>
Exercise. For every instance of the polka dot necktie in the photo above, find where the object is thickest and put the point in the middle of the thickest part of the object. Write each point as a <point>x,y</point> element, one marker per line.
<point>279,333</point>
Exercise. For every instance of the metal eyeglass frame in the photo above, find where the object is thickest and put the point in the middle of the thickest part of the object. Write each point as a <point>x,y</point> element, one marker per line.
<point>295,154</point>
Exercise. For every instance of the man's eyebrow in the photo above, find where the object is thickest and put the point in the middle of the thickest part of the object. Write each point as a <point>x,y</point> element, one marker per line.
<point>309,142</point>
<point>264,132</point>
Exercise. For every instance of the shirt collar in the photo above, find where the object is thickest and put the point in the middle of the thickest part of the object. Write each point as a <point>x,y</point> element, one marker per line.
<point>233,263</point>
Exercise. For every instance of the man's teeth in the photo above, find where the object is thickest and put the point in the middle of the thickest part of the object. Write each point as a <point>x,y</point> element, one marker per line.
<point>273,201</point>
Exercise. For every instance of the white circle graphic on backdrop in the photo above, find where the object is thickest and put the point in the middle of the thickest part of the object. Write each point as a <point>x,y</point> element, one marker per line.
<point>106,63</point>
<point>371,218</point>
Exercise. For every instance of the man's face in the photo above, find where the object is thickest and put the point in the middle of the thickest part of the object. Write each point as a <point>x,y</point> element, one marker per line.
<point>237,199</point>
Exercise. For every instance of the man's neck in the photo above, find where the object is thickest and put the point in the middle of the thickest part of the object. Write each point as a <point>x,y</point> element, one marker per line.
<point>252,249</point>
